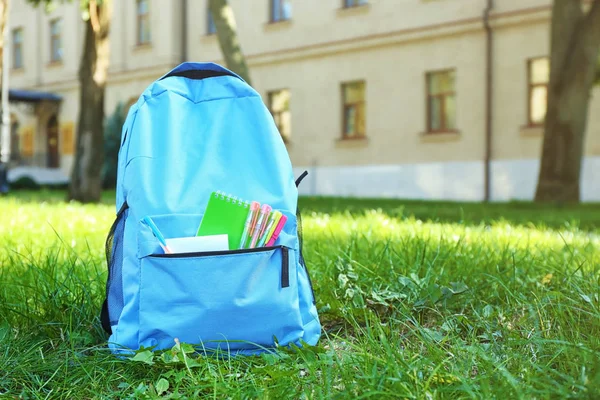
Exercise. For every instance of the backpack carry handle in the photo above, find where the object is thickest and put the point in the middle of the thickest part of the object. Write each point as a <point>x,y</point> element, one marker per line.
<point>200,71</point>
<point>301,178</point>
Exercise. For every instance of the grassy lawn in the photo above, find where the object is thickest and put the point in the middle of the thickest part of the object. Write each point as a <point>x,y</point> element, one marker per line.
<point>418,300</point>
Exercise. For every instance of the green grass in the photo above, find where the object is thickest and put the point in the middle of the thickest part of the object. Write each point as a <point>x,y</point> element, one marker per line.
<point>418,300</point>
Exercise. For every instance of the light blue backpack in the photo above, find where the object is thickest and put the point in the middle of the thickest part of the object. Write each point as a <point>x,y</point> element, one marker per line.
<point>199,129</point>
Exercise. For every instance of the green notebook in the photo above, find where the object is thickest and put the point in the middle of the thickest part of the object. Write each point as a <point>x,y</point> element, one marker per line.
<point>224,215</point>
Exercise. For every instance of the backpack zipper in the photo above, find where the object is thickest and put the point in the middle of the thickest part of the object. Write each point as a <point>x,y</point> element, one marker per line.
<point>285,258</point>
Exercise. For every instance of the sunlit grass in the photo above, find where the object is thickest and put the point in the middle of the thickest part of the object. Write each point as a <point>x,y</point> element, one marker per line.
<point>466,301</point>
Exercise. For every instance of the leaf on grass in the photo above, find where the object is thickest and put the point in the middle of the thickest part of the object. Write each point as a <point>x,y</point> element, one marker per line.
<point>274,358</point>
<point>458,287</point>
<point>586,298</point>
<point>169,358</point>
<point>449,326</point>
<point>145,356</point>
<point>162,386</point>
<point>141,389</point>
<point>434,293</point>
<point>343,280</point>
<point>187,348</point>
<point>192,363</point>
<point>488,310</point>
<point>432,335</point>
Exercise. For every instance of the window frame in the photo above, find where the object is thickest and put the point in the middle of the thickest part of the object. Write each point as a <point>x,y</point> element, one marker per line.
<point>56,22</point>
<point>138,19</point>
<point>532,86</point>
<point>210,22</point>
<point>346,105</point>
<point>281,17</point>
<point>270,95</point>
<point>443,121</point>
<point>20,47</point>
<point>355,3</point>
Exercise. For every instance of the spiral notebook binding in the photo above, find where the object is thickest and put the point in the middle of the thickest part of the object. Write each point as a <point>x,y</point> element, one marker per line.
<point>232,199</point>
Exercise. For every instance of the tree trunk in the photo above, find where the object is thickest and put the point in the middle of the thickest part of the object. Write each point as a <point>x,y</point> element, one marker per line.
<point>575,44</point>
<point>86,180</point>
<point>224,20</point>
<point>3,14</point>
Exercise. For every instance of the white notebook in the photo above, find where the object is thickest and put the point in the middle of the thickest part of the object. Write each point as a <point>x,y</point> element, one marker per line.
<point>195,244</point>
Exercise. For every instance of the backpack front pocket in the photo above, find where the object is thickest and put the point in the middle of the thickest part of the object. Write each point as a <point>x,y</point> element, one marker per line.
<point>232,300</point>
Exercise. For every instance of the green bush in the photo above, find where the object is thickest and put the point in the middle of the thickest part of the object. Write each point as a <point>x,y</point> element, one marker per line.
<point>25,182</point>
<point>112,142</point>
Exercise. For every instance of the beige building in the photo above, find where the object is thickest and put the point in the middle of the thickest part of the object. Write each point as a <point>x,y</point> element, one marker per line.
<point>374,97</point>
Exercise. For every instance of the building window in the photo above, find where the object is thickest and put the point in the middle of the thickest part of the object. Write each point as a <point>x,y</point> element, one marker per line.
<point>281,10</point>
<point>17,45</point>
<point>353,111</point>
<point>279,105</point>
<point>211,29</point>
<point>354,3</point>
<point>56,40</point>
<point>143,22</point>
<point>441,101</point>
<point>538,74</point>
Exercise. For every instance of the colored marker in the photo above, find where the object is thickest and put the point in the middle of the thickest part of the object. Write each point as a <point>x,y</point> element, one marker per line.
<point>250,220</point>
<point>277,231</point>
<point>148,221</point>
<point>278,216</point>
<point>273,219</point>
<point>260,224</point>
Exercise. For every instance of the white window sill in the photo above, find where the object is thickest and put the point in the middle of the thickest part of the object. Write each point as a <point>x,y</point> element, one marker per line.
<point>277,25</point>
<point>440,137</point>
<point>354,10</point>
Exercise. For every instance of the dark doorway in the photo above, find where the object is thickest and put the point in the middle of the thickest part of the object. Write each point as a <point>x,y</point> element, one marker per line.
<point>15,146</point>
<point>52,149</point>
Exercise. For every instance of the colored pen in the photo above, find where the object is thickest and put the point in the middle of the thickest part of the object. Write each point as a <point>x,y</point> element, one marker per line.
<point>250,219</point>
<point>148,221</point>
<point>252,226</point>
<point>273,219</point>
<point>260,224</point>
<point>277,231</point>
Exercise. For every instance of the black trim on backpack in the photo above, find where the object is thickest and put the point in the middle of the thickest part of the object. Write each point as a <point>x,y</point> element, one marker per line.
<point>285,268</point>
<point>104,314</point>
<point>285,258</point>
<point>301,178</point>
<point>104,318</point>
<point>199,74</point>
<point>299,222</point>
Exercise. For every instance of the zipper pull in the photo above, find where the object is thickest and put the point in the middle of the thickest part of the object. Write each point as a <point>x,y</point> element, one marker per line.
<point>285,267</point>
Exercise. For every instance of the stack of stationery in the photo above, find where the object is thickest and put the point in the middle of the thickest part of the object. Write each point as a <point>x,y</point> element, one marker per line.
<point>248,225</point>
<point>262,227</point>
<point>228,223</point>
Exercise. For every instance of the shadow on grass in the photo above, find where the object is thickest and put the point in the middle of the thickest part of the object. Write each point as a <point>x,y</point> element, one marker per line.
<point>585,217</point>
<point>51,196</point>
